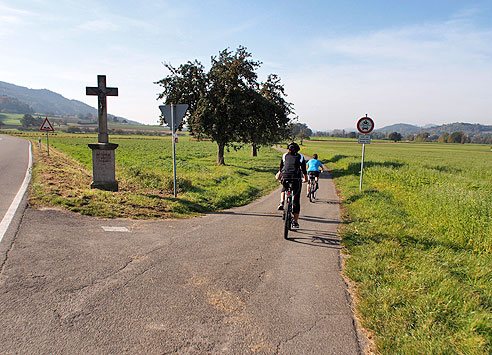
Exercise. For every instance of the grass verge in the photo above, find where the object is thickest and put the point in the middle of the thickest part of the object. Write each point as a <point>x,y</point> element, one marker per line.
<point>419,237</point>
<point>145,174</point>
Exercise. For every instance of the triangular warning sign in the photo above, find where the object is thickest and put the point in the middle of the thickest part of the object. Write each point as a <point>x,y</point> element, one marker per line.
<point>46,126</point>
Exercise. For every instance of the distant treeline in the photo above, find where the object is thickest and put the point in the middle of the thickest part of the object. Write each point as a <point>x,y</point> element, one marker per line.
<point>12,105</point>
<point>453,137</point>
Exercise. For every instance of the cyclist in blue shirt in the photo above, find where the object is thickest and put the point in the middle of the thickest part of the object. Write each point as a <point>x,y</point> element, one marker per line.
<point>313,169</point>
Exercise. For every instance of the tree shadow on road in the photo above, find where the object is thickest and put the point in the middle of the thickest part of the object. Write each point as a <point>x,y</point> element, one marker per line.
<point>256,214</point>
<point>317,219</point>
<point>315,238</point>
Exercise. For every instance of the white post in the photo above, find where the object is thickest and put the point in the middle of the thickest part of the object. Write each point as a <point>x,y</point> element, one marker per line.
<point>47,143</point>
<point>362,166</point>
<point>174,150</point>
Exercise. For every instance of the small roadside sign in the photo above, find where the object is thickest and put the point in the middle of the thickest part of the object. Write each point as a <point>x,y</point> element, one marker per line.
<point>364,139</point>
<point>46,126</point>
<point>173,114</point>
<point>365,125</point>
<point>174,118</point>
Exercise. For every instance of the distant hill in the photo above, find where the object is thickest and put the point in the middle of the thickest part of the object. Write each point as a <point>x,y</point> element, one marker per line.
<point>46,102</point>
<point>12,105</point>
<point>470,129</point>
<point>402,128</point>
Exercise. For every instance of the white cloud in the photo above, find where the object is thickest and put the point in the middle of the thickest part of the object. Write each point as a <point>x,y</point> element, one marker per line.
<point>419,74</point>
<point>98,25</point>
<point>11,18</point>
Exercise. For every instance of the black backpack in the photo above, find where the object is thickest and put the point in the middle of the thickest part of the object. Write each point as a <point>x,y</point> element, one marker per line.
<point>292,166</point>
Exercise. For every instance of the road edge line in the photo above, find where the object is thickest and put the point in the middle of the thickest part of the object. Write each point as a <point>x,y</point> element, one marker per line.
<point>9,216</point>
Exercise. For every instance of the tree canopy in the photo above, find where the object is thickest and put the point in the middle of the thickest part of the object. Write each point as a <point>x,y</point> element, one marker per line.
<point>227,104</point>
<point>395,136</point>
<point>301,131</point>
<point>29,121</point>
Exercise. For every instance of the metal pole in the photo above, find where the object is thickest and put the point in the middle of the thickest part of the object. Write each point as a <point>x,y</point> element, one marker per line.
<point>174,150</point>
<point>47,143</point>
<point>362,166</point>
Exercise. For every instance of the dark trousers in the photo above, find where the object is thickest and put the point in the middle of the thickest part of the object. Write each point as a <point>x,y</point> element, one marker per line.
<point>296,190</point>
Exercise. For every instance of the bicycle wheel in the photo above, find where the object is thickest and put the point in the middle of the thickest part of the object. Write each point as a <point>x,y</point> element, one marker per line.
<point>311,190</point>
<point>288,219</point>
<point>315,191</point>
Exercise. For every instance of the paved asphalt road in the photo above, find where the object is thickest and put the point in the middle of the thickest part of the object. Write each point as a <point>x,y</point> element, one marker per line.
<point>14,161</point>
<point>13,165</point>
<point>224,283</point>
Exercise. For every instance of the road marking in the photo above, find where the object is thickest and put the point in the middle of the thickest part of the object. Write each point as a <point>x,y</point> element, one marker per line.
<point>115,229</point>
<point>7,219</point>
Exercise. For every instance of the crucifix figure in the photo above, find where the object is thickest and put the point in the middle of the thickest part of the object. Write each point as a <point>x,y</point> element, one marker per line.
<point>103,152</point>
<point>102,91</point>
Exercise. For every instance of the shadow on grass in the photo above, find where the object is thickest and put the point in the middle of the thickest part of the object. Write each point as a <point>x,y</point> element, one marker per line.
<point>366,193</point>
<point>354,168</point>
<point>335,158</point>
<point>270,169</point>
<point>352,239</point>
<point>444,169</point>
<point>184,204</point>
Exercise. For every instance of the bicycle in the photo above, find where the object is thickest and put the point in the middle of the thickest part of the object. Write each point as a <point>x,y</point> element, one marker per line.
<point>288,215</point>
<point>312,188</point>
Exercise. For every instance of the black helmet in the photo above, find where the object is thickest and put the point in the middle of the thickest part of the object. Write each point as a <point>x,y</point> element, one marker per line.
<point>294,147</point>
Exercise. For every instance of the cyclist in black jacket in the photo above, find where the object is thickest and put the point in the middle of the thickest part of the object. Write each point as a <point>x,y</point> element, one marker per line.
<point>293,167</point>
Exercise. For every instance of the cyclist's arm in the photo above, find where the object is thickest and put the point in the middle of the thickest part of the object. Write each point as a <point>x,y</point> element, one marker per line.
<point>303,168</point>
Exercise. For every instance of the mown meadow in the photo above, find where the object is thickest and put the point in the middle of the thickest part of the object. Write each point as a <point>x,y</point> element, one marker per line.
<point>419,240</point>
<point>144,170</point>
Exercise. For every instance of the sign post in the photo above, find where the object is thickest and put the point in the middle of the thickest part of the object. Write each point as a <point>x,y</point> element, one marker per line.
<point>174,114</point>
<point>365,125</point>
<point>46,127</point>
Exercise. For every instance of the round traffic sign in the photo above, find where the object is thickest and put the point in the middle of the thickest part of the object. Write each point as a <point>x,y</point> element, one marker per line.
<point>365,125</point>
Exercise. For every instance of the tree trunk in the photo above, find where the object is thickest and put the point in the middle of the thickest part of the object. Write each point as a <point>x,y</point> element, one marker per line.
<point>220,153</point>
<point>254,151</point>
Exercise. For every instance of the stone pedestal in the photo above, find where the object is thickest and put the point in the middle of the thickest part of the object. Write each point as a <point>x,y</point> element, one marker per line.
<point>103,166</point>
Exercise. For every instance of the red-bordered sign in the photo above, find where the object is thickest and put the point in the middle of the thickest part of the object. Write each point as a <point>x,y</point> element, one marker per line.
<point>46,126</point>
<point>365,125</point>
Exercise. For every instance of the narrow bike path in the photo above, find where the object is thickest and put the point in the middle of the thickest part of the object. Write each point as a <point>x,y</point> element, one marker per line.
<point>224,283</point>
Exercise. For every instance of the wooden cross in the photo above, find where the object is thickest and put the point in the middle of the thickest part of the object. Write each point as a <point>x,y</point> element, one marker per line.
<point>102,91</point>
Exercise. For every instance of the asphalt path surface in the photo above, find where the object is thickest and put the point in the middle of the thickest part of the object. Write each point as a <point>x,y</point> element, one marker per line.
<point>223,283</point>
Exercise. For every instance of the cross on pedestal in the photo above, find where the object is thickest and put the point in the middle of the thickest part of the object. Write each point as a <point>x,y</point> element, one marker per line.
<point>102,91</point>
<point>103,155</point>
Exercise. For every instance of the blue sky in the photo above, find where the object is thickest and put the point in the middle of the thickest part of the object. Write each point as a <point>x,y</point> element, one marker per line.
<point>416,62</point>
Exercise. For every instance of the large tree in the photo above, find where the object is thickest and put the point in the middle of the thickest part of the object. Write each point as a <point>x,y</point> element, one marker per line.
<point>302,131</point>
<point>29,121</point>
<point>268,120</point>
<point>227,104</point>
<point>395,136</point>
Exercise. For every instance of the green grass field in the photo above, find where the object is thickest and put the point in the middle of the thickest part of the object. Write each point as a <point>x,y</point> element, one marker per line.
<point>419,237</point>
<point>11,119</point>
<point>144,170</point>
